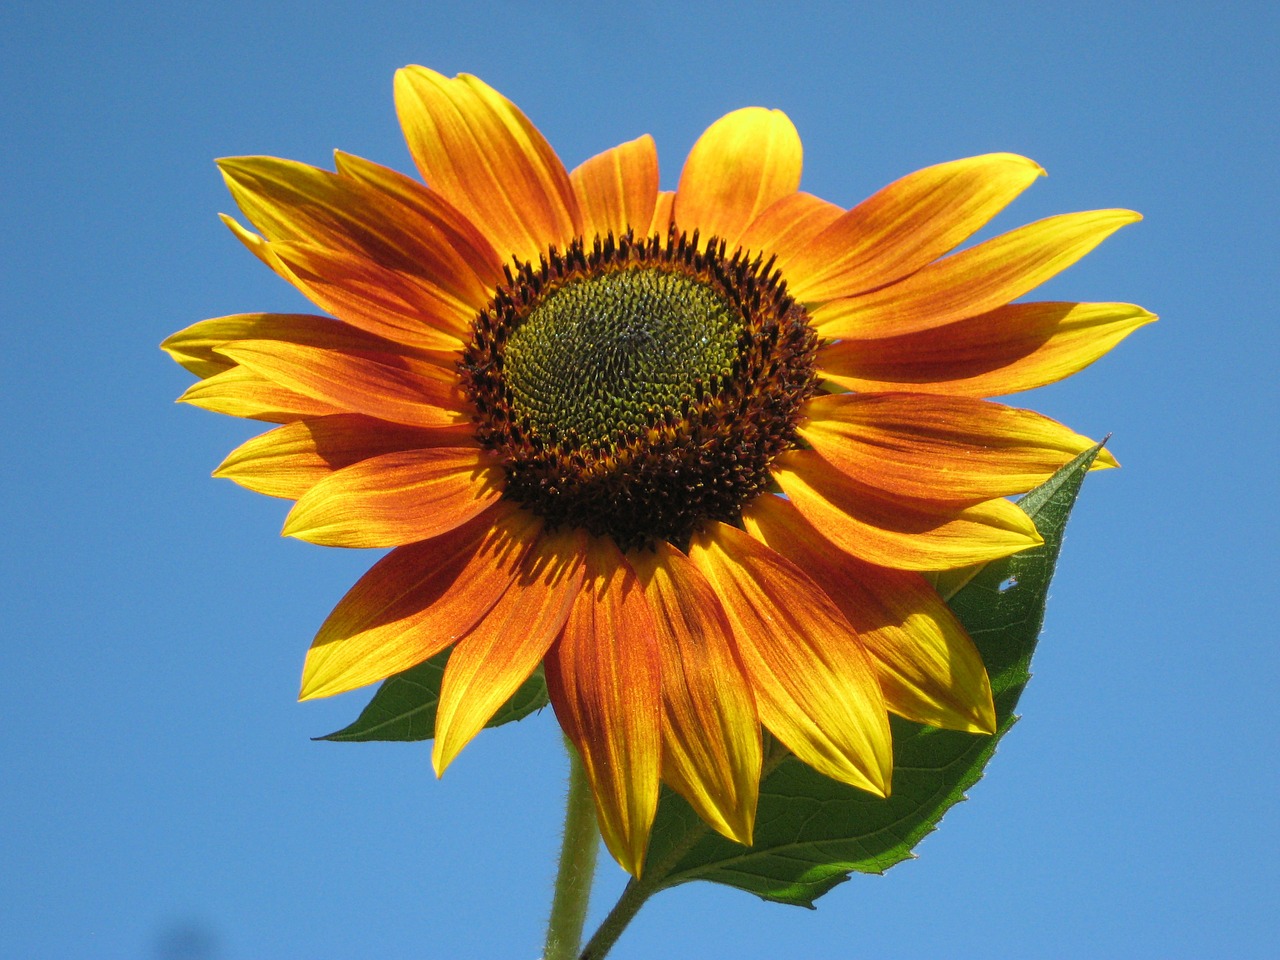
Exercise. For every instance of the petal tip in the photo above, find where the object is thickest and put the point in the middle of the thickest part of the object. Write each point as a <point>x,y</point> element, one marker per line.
<point>1105,460</point>
<point>310,689</point>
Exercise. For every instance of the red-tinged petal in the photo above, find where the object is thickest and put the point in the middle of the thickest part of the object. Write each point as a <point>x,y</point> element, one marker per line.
<point>972,281</point>
<point>290,201</point>
<point>415,392</point>
<point>195,347</point>
<point>461,234</point>
<point>814,686</point>
<point>906,225</point>
<point>484,156</point>
<point>488,665</point>
<point>617,190</point>
<point>663,214</point>
<point>896,532</point>
<point>290,460</point>
<point>603,676</point>
<point>934,447</point>
<point>743,163</point>
<point>396,498</point>
<point>788,225</point>
<point>416,601</point>
<point>239,392</point>
<point>929,669</point>
<point>390,304</point>
<point>1013,348</point>
<point>710,731</point>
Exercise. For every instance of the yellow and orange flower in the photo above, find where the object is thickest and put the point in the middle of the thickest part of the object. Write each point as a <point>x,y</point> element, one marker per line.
<point>692,451</point>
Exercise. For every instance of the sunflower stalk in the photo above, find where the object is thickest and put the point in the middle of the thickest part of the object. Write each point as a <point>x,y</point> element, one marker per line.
<point>637,892</point>
<point>577,868</point>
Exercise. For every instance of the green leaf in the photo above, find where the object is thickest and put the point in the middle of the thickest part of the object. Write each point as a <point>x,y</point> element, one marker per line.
<point>812,832</point>
<point>404,708</point>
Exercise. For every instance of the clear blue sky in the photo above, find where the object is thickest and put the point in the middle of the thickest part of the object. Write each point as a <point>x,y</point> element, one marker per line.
<point>157,781</point>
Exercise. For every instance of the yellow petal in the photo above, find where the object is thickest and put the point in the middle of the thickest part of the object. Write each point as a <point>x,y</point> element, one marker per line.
<point>742,164</point>
<point>972,281</point>
<point>396,498</point>
<point>1007,350</point>
<point>939,447</point>
<point>618,190</point>
<point>788,225</point>
<point>490,663</point>
<point>196,347</point>
<point>814,687</point>
<point>663,214</point>
<point>290,460</point>
<point>416,601</point>
<point>896,532</point>
<point>603,677</point>
<point>906,225</point>
<point>484,156</point>
<point>929,669</point>
<point>239,392</point>
<point>390,304</point>
<point>295,202</point>
<point>412,391</point>
<point>459,232</point>
<point>711,734</point>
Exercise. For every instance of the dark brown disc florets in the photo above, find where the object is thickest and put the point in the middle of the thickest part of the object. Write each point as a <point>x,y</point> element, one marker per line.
<point>642,387</point>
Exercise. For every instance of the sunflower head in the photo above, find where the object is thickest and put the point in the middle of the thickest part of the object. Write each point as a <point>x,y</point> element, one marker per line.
<point>585,413</point>
<point>641,388</point>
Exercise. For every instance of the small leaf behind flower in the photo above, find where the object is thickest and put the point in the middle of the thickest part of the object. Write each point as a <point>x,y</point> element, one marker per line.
<point>404,708</point>
<point>812,832</point>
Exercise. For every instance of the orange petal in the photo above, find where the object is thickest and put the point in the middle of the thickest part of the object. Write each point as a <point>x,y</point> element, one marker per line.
<point>484,156</point>
<point>900,533</point>
<point>929,669</point>
<point>973,281</point>
<point>242,393</point>
<point>906,225</point>
<point>396,498</point>
<point>743,163</point>
<point>195,347</point>
<point>488,665</point>
<point>1007,350</point>
<point>387,303</point>
<point>938,447</point>
<point>416,601</point>
<point>603,676</point>
<point>617,190</point>
<point>290,201</point>
<point>403,390</point>
<point>290,460</point>
<point>815,689</point>
<point>460,232</point>
<point>663,214</point>
<point>710,731</point>
<point>788,225</point>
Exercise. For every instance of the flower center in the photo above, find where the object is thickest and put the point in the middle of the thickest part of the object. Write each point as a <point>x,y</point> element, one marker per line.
<point>640,388</point>
<point>606,354</point>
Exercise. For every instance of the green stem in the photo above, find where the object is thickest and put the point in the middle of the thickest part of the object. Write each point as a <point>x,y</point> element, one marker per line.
<point>623,912</point>
<point>577,866</point>
<point>656,875</point>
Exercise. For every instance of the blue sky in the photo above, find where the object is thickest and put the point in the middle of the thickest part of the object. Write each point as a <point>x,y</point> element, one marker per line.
<point>159,786</point>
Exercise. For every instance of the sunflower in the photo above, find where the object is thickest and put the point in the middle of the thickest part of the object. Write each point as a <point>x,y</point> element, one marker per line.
<point>693,451</point>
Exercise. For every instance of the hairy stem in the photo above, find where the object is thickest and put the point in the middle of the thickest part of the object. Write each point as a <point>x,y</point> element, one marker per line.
<point>577,866</point>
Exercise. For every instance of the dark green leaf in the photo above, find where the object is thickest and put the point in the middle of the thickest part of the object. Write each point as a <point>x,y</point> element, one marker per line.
<point>404,708</point>
<point>811,832</point>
